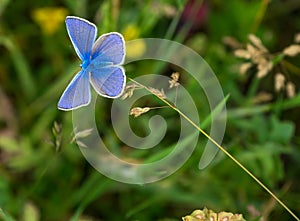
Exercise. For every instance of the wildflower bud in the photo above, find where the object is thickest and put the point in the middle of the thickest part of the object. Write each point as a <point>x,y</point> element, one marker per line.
<point>189,218</point>
<point>225,216</point>
<point>292,50</point>
<point>201,215</point>
<point>205,214</point>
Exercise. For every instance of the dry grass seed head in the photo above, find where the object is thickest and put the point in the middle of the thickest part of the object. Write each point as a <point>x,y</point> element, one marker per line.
<point>292,50</point>
<point>244,67</point>
<point>138,111</point>
<point>242,53</point>
<point>297,38</point>
<point>159,93</point>
<point>262,97</point>
<point>264,67</point>
<point>257,43</point>
<point>253,51</point>
<point>175,76</point>
<point>279,82</point>
<point>232,42</point>
<point>129,89</point>
<point>290,89</point>
<point>174,81</point>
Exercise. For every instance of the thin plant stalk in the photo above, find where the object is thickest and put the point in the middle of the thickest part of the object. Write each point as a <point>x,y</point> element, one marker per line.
<point>222,149</point>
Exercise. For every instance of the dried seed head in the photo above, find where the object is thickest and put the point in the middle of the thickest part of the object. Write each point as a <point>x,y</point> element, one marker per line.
<point>231,42</point>
<point>262,97</point>
<point>81,144</point>
<point>253,211</point>
<point>163,9</point>
<point>262,72</point>
<point>57,133</point>
<point>242,53</point>
<point>138,111</point>
<point>174,81</point>
<point>264,67</point>
<point>173,84</point>
<point>56,129</point>
<point>257,42</point>
<point>290,89</point>
<point>159,93</point>
<point>279,82</point>
<point>297,38</point>
<point>253,51</point>
<point>292,50</point>
<point>175,76</point>
<point>81,134</point>
<point>129,89</point>
<point>244,67</point>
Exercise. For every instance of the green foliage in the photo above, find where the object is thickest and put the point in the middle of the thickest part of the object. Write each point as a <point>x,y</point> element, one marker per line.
<point>44,176</point>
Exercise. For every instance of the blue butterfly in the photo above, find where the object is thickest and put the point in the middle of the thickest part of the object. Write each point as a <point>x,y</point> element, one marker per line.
<point>101,64</point>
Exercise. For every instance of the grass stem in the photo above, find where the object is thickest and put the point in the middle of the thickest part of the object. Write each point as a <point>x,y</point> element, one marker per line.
<point>221,148</point>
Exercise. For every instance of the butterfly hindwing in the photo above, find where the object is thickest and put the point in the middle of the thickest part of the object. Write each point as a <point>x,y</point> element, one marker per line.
<point>108,81</point>
<point>77,93</point>
<point>82,34</point>
<point>109,48</point>
<point>101,62</point>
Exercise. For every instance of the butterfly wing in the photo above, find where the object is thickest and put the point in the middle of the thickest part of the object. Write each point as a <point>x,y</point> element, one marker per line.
<point>77,93</point>
<point>82,34</point>
<point>108,81</point>
<point>109,48</point>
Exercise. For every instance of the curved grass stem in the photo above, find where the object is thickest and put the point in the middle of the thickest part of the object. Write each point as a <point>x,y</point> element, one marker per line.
<point>221,148</point>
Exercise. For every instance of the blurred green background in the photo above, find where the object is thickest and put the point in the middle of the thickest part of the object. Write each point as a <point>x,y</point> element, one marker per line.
<point>43,175</point>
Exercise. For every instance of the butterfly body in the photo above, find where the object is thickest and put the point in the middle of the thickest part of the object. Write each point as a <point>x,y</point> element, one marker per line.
<point>100,67</point>
<point>85,64</point>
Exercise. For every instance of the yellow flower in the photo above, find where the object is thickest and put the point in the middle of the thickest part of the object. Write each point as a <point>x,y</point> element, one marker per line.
<point>131,32</point>
<point>49,18</point>
<point>135,48</point>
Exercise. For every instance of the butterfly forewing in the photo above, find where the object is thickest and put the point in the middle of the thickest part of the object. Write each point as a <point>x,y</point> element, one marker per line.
<point>82,34</point>
<point>77,93</point>
<point>100,67</point>
<point>109,48</point>
<point>108,81</point>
